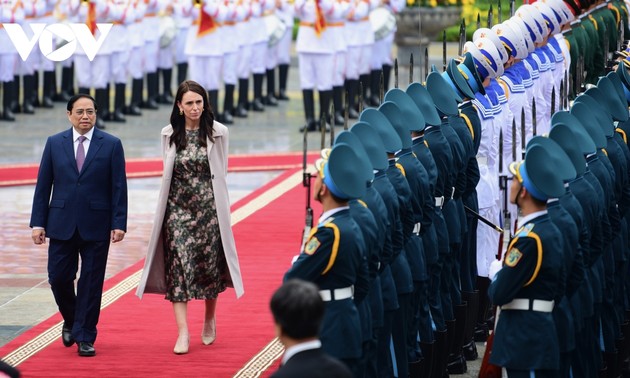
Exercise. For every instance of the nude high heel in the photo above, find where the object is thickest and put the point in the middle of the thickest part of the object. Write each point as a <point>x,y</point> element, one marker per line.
<point>181,346</point>
<point>209,333</point>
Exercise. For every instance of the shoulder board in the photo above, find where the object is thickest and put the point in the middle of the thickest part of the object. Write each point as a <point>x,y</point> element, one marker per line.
<point>401,168</point>
<point>468,123</point>
<point>335,246</point>
<point>524,231</point>
<point>623,134</point>
<point>362,203</point>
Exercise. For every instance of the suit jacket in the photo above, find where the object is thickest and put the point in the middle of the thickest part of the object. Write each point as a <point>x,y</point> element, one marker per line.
<point>313,363</point>
<point>94,201</point>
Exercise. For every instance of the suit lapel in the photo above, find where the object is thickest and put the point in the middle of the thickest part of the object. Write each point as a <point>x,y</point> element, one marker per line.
<point>68,146</point>
<point>95,144</point>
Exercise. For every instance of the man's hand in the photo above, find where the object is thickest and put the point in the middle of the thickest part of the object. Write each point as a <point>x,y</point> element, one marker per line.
<point>39,236</point>
<point>117,235</point>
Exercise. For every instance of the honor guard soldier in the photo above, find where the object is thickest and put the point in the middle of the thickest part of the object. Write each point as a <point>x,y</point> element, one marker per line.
<point>183,21</point>
<point>150,24</point>
<point>433,151</point>
<point>120,16</point>
<point>381,202</point>
<point>371,309</point>
<point>526,286</point>
<point>244,55</point>
<point>337,26</point>
<point>271,56</point>
<point>316,54</point>
<point>286,12</point>
<point>135,63</point>
<point>401,266</point>
<point>10,12</point>
<point>563,313</point>
<point>587,356</point>
<point>229,65</point>
<point>258,37</point>
<point>333,256</point>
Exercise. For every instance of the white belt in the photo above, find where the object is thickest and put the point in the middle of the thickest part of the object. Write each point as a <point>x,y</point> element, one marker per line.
<point>416,228</point>
<point>337,294</point>
<point>525,304</point>
<point>482,160</point>
<point>439,201</point>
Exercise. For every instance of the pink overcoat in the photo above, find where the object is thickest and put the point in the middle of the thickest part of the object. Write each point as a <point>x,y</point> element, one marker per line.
<point>153,277</point>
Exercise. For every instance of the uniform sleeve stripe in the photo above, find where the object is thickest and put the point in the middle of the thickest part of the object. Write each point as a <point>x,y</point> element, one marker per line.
<point>540,256</point>
<point>335,247</point>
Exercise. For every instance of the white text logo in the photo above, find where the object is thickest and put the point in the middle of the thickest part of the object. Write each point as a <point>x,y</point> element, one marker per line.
<point>57,42</point>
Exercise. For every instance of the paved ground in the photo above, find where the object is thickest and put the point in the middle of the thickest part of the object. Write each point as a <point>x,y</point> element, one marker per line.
<point>25,297</point>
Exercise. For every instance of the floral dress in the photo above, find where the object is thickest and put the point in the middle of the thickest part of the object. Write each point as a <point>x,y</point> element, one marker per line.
<point>194,260</point>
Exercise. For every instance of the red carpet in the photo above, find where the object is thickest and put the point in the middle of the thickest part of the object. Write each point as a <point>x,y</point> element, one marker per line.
<point>26,174</point>
<point>136,337</point>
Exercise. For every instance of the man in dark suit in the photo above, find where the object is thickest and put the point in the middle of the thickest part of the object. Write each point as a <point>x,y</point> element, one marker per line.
<point>298,311</point>
<point>80,203</point>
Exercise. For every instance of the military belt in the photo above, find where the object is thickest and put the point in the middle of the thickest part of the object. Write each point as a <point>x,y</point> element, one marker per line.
<point>416,228</point>
<point>337,294</point>
<point>525,304</point>
<point>439,201</point>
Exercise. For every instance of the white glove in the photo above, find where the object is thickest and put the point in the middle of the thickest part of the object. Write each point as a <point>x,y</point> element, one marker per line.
<point>294,259</point>
<point>495,267</point>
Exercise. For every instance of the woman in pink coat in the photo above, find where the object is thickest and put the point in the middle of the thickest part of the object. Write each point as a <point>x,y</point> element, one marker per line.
<point>191,253</point>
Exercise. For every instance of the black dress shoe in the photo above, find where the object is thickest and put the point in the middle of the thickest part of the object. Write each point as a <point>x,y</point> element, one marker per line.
<point>270,100</point>
<point>149,104</point>
<point>257,105</point>
<point>309,126</point>
<point>100,124</point>
<point>339,119</point>
<point>353,114</point>
<point>47,102</point>
<point>28,108</point>
<point>86,349</point>
<point>132,110</point>
<point>117,116</point>
<point>282,95</point>
<point>66,337</point>
<point>227,118</point>
<point>240,111</point>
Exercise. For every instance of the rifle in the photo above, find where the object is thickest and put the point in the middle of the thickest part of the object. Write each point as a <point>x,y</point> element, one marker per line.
<point>381,92</point>
<point>482,219</point>
<point>426,63</point>
<point>345,113</point>
<point>322,129</point>
<point>360,97</point>
<point>396,73</point>
<point>306,182</point>
<point>561,102</point>
<point>332,126</point>
<point>553,101</point>
<point>513,139</point>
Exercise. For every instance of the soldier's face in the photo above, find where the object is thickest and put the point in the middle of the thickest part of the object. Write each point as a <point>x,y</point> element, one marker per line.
<point>318,187</point>
<point>515,191</point>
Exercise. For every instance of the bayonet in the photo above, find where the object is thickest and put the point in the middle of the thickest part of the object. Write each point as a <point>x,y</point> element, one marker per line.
<point>561,100</point>
<point>553,101</point>
<point>306,182</point>
<point>360,97</point>
<point>346,112</point>
<point>332,126</point>
<point>482,219</point>
<point>513,139</point>
<point>426,64</point>
<point>523,138</point>
<point>444,49</point>
<point>381,89</point>
<point>462,37</point>
<point>511,8</point>
<point>478,21</point>
<point>411,68</point>
<point>322,129</point>
<point>534,122</point>
<point>499,15</point>
<point>396,73</point>
<point>490,17</point>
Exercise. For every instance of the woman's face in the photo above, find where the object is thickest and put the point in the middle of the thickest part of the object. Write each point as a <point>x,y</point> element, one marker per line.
<point>191,105</point>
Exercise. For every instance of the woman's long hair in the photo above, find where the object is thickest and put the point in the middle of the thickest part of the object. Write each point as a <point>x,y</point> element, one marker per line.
<point>178,121</point>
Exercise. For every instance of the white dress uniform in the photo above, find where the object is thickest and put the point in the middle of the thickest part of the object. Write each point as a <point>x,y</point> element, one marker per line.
<point>244,56</point>
<point>257,34</point>
<point>150,51</point>
<point>121,14</point>
<point>11,11</point>
<point>359,37</point>
<point>183,21</point>
<point>136,40</point>
<point>336,22</point>
<point>286,12</point>
<point>33,10</point>
<point>381,58</point>
<point>234,14</point>
<point>204,47</point>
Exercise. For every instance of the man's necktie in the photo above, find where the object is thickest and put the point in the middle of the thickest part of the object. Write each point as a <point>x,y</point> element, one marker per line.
<point>80,153</point>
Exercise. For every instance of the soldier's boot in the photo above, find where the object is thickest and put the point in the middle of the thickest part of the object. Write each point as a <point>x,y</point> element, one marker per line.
<point>428,351</point>
<point>309,111</point>
<point>271,99</point>
<point>133,109</point>
<point>7,98</point>
<point>338,103</point>
<point>283,73</point>
<point>365,87</point>
<point>28,88</point>
<point>167,96</point>
<point>324,108</point>
<point>257,104</point>
<point>387,70</point>
<point>153,91</point>
<point>352,86</point>
<point>228,105</point>
<point>375,88</point>
<point>469,347</point>
<point>213,101</point>
<point>101,95</point>
<point>119,103</point>
<point>182,71</point>
<point>50,88</point>
<point>481,328</point>
<point>15,103</point>
<point>241,108</point>
<point>456,360</point>
<point>104,111</point>
<point>440,353</point>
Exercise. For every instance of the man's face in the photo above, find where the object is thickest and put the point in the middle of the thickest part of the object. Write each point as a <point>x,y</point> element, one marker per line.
<point>515,190</point>
<point>83,115</point>
<point>317,187</point>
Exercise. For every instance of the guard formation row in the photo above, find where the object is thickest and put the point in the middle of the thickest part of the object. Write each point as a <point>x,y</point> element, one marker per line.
<point>524,135</point>
<point>215,43</point>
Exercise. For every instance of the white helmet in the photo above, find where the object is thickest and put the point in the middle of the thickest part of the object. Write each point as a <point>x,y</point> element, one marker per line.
<point>552,18</point>
<point>512,38</point>
<point>487,57</point>
<point>491,35</point>
<point>525,31</point>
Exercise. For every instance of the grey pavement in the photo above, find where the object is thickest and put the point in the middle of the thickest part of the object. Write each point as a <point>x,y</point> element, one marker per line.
<point>25,298</point>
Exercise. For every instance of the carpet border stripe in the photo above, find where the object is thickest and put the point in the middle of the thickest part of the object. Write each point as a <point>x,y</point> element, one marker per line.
<point>262,360</point>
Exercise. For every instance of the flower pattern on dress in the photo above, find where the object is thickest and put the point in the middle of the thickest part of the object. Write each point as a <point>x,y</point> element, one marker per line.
<point>195,263</point>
